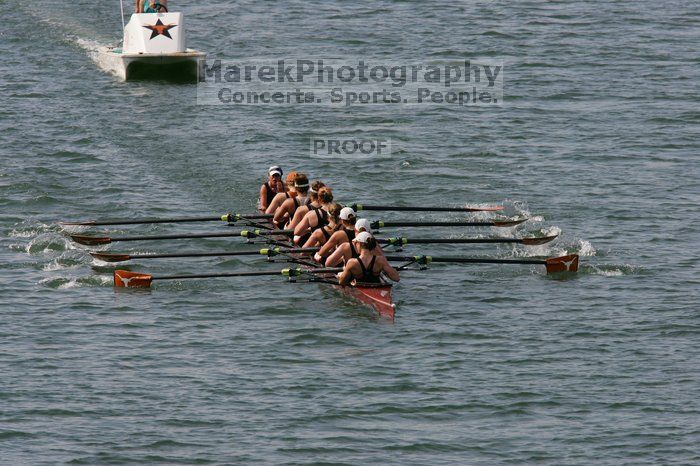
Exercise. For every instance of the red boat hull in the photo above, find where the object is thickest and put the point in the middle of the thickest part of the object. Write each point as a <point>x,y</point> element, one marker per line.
<point>376,296</point>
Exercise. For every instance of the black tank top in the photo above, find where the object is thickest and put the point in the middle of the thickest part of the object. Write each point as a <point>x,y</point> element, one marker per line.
<point>297,204</point>
<point>270,193</point>
<point>350,234</point>
<point>353,252</point>
<point>367,272</point>
<point>321,216</point>
<point>326,234</point>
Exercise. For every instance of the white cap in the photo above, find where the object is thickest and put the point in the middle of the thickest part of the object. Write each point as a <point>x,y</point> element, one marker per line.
<point>346,213</point>
<point>363,237</point>
<point>363,223</point>
<point>274,170</point>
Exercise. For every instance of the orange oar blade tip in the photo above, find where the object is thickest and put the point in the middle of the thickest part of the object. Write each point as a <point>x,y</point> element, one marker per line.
<point>562,264</point>
<point>126,279</point>
<point>90,240</point>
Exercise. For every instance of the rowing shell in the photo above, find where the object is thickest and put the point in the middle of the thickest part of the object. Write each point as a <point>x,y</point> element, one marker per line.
<point>375,295</point>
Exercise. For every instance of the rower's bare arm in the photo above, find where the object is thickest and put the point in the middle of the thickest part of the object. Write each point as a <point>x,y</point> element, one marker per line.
<point>389,270</point>
<point>276,202</point>
<point>330,244</point>
<point>338,255</point>
<point>303,226</point>
<point>298,216</point>
<point>284,209</point>
<point>263,197</point>
<point>346,276</point>
<point>313,240</point>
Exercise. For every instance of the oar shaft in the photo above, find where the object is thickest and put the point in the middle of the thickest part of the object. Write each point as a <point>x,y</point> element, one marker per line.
<point>219,275</point>
<point>399,241</point>
<point>121,257</point>
<point>361,207</point>
<point>194,254</point>
<point>181,236</point>
<point>290,272</point>
<point>467,260</point>
<point>456,223</point>
<point>461,240</point>
<point>143,221</point>
<point>146,220</point>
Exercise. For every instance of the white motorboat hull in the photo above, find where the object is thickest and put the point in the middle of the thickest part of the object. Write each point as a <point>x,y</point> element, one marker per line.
<point>177,66</point>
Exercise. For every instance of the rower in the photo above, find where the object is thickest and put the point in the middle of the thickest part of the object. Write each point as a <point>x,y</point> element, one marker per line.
<point>285,212</point>
<point>350,249</point>
<point>368,267</point>
<point>320,236</point>
<point>315,217</point>
<point>271,187</point>
<point>314,204</point>
<point>281,197</point>
<point>344,235</point>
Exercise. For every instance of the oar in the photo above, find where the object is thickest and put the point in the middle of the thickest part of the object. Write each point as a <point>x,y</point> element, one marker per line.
<point>554,264</point>
<point>361,207</point>
<point>96,240</point>
<point>123,257</point>
<point>400,241</point>
<point>448,223</point>
<point>125,278</point>
<point>141,221</point>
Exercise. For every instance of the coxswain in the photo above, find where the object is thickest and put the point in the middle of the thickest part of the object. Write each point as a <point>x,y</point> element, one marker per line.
<point>368,267</point>
<point>281,197</point>
<point>285,212</point>
<point>316,217</point>
<point>351,249</point>
<point>320,236</point>
<point>344,234</point>
<point>271,187</point>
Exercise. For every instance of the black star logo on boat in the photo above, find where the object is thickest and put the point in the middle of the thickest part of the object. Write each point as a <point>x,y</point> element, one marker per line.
<point>160,29</point>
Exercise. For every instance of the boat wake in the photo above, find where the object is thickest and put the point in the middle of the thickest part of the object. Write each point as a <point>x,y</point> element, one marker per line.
<point>97,53</point>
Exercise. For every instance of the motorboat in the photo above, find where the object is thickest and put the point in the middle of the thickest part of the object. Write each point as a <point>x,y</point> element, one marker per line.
<point>154,47</point>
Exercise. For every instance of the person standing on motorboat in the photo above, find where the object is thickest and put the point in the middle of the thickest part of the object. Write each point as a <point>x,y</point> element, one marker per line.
<point>151,6</point>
